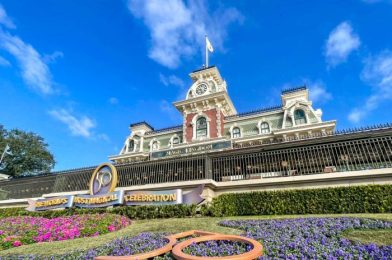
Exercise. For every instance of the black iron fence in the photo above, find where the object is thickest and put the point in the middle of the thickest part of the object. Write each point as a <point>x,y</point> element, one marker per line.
<point>354,155</point>
<point>363,150</point>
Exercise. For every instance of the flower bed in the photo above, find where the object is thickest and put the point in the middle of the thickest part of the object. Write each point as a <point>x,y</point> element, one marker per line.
<point>142,243</point>
<point>17,231</point>
<point>305,238</point>
<point>217,248</point>
<point>313,238</point>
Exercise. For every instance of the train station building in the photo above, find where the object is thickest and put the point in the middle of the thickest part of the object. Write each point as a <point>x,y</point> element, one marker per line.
<point>288,146</point>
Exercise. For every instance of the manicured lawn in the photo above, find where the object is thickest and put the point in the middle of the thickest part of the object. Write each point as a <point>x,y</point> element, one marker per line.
<point>179,225</point>
<point>379,237</point>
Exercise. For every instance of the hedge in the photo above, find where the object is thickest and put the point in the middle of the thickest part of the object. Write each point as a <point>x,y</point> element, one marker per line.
<point>135,212</point>
<point>352,199</point>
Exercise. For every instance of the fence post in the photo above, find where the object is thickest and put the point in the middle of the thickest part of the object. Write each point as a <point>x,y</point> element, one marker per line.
<point>208,167</point>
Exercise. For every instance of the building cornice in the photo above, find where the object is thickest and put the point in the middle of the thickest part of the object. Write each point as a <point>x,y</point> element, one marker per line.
<point>218,98</point>
<point>128,155</point>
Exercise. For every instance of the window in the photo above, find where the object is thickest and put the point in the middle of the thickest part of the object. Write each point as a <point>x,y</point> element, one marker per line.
<point>236,132</point>
<point>131,145</point>
<point>264,128</point>
<point>176,140</point>
<point>154,145</point>
<point>201,127</point>
<point>299,117</point>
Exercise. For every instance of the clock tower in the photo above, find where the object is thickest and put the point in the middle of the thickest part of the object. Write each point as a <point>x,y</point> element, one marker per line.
<point>206,105</point>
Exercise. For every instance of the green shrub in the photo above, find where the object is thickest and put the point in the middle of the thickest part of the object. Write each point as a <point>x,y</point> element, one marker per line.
<point>353,199</point>
<point>134,212</point>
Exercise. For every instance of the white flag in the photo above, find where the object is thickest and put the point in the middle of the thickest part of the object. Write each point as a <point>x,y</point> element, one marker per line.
<point>209,45</point>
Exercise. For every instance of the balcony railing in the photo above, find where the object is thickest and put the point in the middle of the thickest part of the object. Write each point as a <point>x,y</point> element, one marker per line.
<point>355,155</point>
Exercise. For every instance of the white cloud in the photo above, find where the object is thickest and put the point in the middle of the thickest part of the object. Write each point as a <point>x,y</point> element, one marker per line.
<point>51,58</point>
<point>177,29</point>
<point>171,80</point>
<point>4,62</point>
<point>81,126</point>
<point>113,101</point>
<point>341,42</point>
<point>5,20</point>
<point>378,73</point>
<point>34,71</point>
<point>377,1</point>
<point>167,108</point>
<point>318,92</point>
<point>355,115</point>
<point>103,137</point>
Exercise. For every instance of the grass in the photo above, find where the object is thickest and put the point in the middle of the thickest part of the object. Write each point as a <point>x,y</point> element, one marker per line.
<point>379,237</point>
<point>179,225</point>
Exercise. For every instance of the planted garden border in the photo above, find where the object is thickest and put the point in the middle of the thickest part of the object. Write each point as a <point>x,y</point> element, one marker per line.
<point>203,236</point>
<point>252,254</point>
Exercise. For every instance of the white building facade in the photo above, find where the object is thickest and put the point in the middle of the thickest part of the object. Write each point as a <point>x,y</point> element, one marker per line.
<point>211,122</point>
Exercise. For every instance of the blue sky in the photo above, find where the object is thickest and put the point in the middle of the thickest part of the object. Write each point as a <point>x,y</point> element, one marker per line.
<point>79,72</point>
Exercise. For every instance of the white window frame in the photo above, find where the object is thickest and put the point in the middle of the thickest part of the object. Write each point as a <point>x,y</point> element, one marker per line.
<point>194,126</point>
<point>151,145</point>
<point>305,116</point>
<point>231,131</point>
<point>134,146</point>
<point>171,144</point>
<point>260,130</point>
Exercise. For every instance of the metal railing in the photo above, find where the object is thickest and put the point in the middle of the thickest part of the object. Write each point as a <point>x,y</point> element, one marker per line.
<point>162,171</point>
<point>363,154</point>
<point>363,150</point>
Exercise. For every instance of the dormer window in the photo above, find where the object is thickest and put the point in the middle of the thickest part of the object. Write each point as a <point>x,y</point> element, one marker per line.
<point>201,128</point>
<point>154,146</point>
<point>131,146</point>
<point>176,140</point>
<point>236,132</point>
<point>299,117</point>
<point>264,128</point>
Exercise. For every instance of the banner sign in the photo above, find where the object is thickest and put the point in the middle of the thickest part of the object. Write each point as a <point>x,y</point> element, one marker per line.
<point>102,194</point>
<point>95,201</point>
<point>166,197</point>
<point>50,203</point>
<point>192,149</point>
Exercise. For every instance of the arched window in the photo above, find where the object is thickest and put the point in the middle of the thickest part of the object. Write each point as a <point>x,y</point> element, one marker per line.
<point>236,132</point>
<point>131,145</point>
<point>154,145</point>
<point>176,140</point>
<point>264,128</point>
<point>201,127</point>
<point>299,117</point>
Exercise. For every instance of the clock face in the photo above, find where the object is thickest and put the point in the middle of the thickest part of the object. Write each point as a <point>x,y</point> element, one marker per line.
<point>201,89</point>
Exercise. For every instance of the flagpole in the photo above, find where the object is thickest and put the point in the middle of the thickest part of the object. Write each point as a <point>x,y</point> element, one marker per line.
<point>6,149</point>
<point>206,52</point>
<point>2,156</point>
